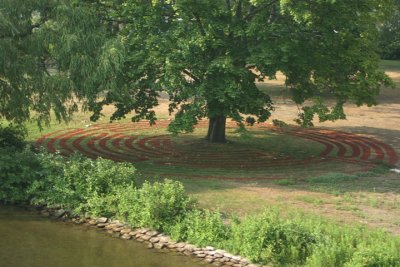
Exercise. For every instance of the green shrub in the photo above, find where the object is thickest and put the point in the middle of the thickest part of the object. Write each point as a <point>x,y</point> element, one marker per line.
<point>202,228</point>
<point>79,183</point>
<point>12,136</point>
<point>267,238</point>
<point>375,256</point>
<point>330,254</point>
<point>156,205</point>
<point>18,170</point>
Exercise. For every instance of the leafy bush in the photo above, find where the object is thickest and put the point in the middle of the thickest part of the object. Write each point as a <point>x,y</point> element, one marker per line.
<point>80,183</point>
<point>18,170</point>
<point>156,205</point>
<point>200,227</point>
<point>12,136</point>
<point>374,256</point>
<point>267,238</point>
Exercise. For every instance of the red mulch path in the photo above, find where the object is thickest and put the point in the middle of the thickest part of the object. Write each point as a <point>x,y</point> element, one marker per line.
<point>113,141</point>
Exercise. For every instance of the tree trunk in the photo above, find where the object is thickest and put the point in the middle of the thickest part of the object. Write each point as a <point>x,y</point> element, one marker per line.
<point>216,129</point>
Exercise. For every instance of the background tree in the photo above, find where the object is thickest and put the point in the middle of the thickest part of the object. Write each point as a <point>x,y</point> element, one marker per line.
<point>207,55</point>
<point>390,35</point>
<point>52,54</point>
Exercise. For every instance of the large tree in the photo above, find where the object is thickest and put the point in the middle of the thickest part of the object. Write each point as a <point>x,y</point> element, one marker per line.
<point>206,54</point>
<point>53,53</point>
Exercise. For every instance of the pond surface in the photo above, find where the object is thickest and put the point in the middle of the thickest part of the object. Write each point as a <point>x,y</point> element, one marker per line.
<point>29,240</point>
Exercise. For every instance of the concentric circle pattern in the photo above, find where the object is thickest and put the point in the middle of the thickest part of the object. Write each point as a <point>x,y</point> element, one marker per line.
<point>126,142</point>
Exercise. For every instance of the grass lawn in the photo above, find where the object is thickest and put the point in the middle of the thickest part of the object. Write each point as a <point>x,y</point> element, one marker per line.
<point>336,189</point>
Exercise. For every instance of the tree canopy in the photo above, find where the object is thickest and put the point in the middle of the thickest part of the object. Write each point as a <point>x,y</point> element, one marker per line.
<point>205,54</point>
<point>390,35</point>
<point>52,53</point>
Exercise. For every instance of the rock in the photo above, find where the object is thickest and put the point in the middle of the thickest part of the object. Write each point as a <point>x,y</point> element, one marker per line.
<point>236,258</point>
<point>171,245</point>
<point>110,226</point>
<point>165,239</point>
<point>92,222</point>
<point>187,253</point>
<point>190,247</point>
<point>154,239</point>
<point>126,236</point>
<point>117,229</point>
<point>134,232</point>
<point>228,255</point>
<point>159,245</point>
<point>180,245</point>
<point>201,255</point>
<point>146,237</point>
<point>102,220</point>
<point>209,260</point>
<point>143,230</point>
<point>101,225</point>
<point>210,248</point>
<point>152,233</point>
<point>126,231</point>
<point>59,213</point>
<point>150,245</point>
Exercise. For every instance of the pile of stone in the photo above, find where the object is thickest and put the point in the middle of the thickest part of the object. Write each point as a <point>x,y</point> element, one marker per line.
<point>154,239</point>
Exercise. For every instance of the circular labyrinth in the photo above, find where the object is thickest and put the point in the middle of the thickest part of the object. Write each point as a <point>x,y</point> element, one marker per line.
<point>165,155</point>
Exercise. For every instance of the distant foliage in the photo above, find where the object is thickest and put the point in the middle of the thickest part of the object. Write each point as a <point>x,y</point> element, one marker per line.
<point>12,136</point>
<point>389,40</point>
<point>18,170</point>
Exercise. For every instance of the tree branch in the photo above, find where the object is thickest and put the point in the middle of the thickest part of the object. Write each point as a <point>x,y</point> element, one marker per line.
<point>188,73</point>
<point>239,9</point>
<point>202,31</point>
<point>254,11</point>
<point>228,5</point>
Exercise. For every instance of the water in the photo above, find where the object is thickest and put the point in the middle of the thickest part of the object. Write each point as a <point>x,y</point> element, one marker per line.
<point>29,240</point>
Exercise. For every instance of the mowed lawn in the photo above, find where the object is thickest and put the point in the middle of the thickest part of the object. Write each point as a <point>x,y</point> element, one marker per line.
<point>369,198</point>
